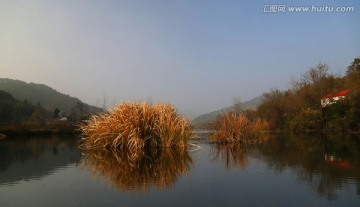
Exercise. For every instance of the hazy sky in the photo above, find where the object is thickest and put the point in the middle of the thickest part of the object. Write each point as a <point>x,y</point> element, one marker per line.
<point>199,55</point>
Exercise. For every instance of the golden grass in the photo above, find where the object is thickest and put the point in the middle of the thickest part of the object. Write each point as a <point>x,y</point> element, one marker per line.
<point>235,127</point>
<point>136,125</point>
<point>139,170</point>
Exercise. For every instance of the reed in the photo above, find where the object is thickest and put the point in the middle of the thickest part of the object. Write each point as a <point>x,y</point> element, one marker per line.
<point>137,125</point>
<point>236,127</point>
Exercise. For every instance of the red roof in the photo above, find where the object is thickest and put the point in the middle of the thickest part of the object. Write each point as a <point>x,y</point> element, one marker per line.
<point>340,93</point>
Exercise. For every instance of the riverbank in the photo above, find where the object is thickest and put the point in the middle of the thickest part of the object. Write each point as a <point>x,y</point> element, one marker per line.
<point>25,129</point>
<point>5,133</point>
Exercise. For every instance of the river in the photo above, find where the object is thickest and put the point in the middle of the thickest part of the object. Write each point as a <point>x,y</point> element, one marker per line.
<point>285,170</point>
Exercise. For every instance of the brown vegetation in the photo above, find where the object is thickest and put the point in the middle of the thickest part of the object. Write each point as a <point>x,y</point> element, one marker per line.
<point>39,128</point>
<point>299,108</point>
<point>236,127</point>
<point>137,125</point>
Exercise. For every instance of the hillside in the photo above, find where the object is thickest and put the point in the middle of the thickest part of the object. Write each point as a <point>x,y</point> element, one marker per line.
<point>47,97</point>
<point>206,118</point>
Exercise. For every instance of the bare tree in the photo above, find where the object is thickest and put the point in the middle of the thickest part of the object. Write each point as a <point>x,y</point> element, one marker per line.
<point>314,76</point>
<point>104,102</point>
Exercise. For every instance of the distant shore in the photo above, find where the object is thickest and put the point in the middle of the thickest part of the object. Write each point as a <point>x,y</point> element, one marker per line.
<point>34,129</point>
<point>5,133</point>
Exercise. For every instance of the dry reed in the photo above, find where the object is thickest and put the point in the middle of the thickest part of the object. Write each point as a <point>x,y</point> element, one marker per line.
<point>235,127</point>
<point>137,125</point>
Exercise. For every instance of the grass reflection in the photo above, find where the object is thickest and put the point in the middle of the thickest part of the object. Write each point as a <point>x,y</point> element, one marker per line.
<point>140,169</point>
<point>232,154</point>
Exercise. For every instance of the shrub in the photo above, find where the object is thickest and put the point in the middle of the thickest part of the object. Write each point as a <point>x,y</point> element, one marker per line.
<point>135,125</point>
<point>306,120</point>
<point>234,127</point>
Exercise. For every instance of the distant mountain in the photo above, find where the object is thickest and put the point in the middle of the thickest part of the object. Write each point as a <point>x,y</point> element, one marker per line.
<point>206,118</point>
<point>47,97</point>
<point>188,113</point>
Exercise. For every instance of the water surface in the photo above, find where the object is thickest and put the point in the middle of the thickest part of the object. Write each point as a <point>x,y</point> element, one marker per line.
<point>286,170</point>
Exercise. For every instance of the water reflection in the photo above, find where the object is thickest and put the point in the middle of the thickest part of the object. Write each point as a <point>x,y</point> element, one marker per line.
<point>233,155</point>
<point>127,170</point>
<point>327,164</point>
<point>29,158</point>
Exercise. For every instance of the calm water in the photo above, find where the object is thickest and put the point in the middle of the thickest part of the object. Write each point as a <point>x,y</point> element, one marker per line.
<point>284,171</point>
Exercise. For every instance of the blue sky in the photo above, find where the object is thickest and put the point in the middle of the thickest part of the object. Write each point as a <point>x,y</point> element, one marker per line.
<point>198,55</point>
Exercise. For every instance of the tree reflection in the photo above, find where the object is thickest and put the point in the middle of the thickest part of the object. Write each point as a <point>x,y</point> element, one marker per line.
<point>327,164</point>
<point>138,170</point>
<point>27,158</point>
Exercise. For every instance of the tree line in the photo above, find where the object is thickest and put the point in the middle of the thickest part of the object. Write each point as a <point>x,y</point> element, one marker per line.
<point>299,108</point>
<point>13,111</point>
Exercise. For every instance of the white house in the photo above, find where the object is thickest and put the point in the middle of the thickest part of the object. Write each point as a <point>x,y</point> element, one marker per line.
<point>63,119</point>
<point>333,97</point>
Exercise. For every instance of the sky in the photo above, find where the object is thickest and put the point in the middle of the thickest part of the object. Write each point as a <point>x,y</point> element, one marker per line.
<point>198,55</point>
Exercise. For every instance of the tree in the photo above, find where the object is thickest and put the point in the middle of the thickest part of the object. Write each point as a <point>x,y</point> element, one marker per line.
<point>56,113</point>
<point>316,74</point>
<point>36,115</point>
<point>353,113</point>
<point>354,67</point>
<point>352,78</point>
<point>300,107</point>
<point>104,102</point>
<point>6,106</point>
<point>81,107</point>
<point>273,108</point>
<point>314,84</point>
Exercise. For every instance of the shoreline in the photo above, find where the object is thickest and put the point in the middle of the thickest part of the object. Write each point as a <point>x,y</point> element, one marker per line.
<point>26,132</point>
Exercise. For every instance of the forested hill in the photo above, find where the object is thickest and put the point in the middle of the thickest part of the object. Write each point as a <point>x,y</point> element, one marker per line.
<point>47,97</point>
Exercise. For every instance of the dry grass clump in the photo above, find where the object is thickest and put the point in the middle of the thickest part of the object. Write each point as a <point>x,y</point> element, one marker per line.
<point>236,127</point>
<point>145,169</point>
<point>136,125</point>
